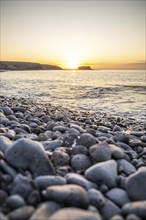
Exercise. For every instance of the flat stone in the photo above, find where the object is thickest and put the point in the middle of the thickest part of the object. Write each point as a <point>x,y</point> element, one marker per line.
<point>74,178</point>
<point>100,152</point>
<point>136,185</point>
<point>28,154</point>
<point>70,195</point>
<point>75,214</point>
<point>52,145</point>
<point>137,208</point>
<point>103,173</point>
<point>44,181</point>
<point>118,196</point>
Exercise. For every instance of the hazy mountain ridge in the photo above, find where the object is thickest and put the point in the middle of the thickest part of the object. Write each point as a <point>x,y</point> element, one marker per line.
<point>12,65</point>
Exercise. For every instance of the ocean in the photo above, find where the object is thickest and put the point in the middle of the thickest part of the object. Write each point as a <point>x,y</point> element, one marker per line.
<point>115,92</point>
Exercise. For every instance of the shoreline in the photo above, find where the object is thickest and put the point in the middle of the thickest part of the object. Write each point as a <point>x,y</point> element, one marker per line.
<point>55,162</point>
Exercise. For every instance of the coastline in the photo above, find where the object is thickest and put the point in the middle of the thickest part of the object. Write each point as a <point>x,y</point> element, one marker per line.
<point>57,161</point>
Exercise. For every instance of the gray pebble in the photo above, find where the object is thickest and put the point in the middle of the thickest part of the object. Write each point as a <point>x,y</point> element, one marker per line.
<point>7,168</point>
<point>86,139</point>
<point>28,154</point>
<point>70,195</point>
<point>122,137</point>
<point>103,173</point>
<point>127,167</point>
<point>52,145</point>
<point>21,213</point>
<point>118,196</point>
<point>132,217</point>
<point>75,214</point>
<point>137,208</point>
<point>100,152</point>
<point>7,110</point>
<point>73,178</point>
<point>15,201</point>
<point>78,149</point>
<point>136,185</point>
<point>60,158</point>
<point>44,181</point>
<point>3,216</point>
<point>45,210</point>
<point>5,143</point>
<point>117,153</point>
<point>80,162</point>
<point>96,198</point>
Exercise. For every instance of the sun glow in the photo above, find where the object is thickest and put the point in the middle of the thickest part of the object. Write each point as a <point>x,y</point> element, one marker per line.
<point>73,65</point>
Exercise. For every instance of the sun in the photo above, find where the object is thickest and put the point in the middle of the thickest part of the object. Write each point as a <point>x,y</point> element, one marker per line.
<point>73,65</point>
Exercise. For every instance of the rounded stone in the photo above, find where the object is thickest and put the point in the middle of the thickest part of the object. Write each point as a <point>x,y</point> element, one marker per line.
<point>103,173</point>
<point>45,181</point>
<point>127,167</point>
<point>86,140</point>
<point>60,158</point>
<point>22,213</point>
<point>75,214</point>
<point>96,198</point>
<point>109,210</point>
<point>15,201</point>
<point>118,196</point>
<point>136,185</point>
<point>28,154</point>
<point>74,178</point>
<point>137,208</point>
<point>5,143</point>
<point>117,153</point>
<point>80,162</point>
<point>100,152</point>
<point>7,110</point>
<point>78,149</point>
<point>70,195</point>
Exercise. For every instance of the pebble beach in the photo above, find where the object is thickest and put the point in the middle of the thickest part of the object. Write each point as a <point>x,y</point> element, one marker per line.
<point>59,164</point>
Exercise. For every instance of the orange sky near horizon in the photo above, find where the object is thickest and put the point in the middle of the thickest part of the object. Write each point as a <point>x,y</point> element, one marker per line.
<point>101,34</point>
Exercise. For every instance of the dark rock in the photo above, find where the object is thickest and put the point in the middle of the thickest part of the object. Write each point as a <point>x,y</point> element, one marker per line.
<point>132,217</point>
<point>21,213</point>
<point>44,181</point>
<point>60,158</point>
<point>15,201</point>
<point>7,110</point>
<point>78,149</point>
<point>100,152</point>
<point>127,167</point>
<point>3,217</point>
<point>27,154</point>
<point>7,168</point>
<point>3,196</point>
<point>116,152</point>
<point>103,173</point>
<point>52,145</point>
<point>75,214</point>
<point>122,137</point>
<point>136,185</point>
<point>80,162</point>
<point>86,140</point>
<point>70,195</point>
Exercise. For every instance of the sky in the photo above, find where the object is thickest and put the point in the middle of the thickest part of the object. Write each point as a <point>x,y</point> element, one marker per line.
<point>102,34</point>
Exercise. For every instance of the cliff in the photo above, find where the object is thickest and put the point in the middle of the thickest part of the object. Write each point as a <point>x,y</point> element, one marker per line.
<point>10,65</point>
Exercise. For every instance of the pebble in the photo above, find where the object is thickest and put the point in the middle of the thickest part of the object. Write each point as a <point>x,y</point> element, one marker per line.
<point>118,196</point>
<point>60,158</point>
<point>44,181</point>
<point>15,201</point>
<point>5,143</point>
<point>103,173</point>
<point>7,111</point>
<point>100,152</point>
<point>117,153</point>
<point>70,195</point>
<point>52,145</point>
<point>109,210</point>
<point>78,149</point>
<point>3,217</point>
<point>122,137</point>
<point>80,162</point>
<point>24,151</point>
<point>74,178</point>
<point>45,210</point>
<point>21,213</point>
<point>138,208</point>
<point>75,214</point>
<point>127,167</point>
<point>136,185</point>
<point>86,140</point>
<point>96,198</point>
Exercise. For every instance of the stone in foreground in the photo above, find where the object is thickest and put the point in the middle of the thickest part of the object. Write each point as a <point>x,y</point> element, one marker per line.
<point>27,154</point>
<point>103,173</point>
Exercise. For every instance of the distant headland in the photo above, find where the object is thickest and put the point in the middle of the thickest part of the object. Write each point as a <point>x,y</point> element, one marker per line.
<point>12,65</point>
<point>84,68</point>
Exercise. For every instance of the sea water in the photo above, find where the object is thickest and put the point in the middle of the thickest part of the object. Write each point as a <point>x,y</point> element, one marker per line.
<point>114,92</point>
